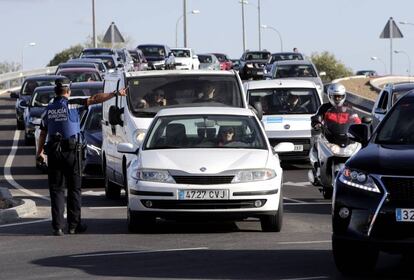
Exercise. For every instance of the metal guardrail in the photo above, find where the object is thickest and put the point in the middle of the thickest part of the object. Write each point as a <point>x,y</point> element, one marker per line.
<point>13,79</point>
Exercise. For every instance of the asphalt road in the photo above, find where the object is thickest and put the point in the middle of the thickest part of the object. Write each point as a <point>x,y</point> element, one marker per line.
<point>185,250</point>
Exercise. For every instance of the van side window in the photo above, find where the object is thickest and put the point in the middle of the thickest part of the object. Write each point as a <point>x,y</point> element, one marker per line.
<point>383,102</point>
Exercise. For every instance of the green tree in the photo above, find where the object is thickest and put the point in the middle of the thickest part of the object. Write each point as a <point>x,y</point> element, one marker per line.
<point>6,67</point>
<point>327,62</point>
<point>66,54</point>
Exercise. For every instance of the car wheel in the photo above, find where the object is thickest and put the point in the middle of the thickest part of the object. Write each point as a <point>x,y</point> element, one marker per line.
<point>273,223</point>
<point>327,192</point>
<point>138,222</point>
<point>112,190</point>
<point>352,258</point>
<point>20,125</point>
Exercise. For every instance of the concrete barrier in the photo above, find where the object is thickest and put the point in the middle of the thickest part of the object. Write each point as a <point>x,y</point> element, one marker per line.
<point>378,83</point>
<point>13,79</point>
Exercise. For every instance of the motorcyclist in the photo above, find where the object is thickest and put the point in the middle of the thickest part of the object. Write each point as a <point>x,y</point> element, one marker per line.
<point>336,115</point>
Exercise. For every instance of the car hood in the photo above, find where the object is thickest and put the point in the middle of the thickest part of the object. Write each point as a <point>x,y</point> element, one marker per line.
<point>214,160</point>
<point>384,159</point>
<point>36,112</point>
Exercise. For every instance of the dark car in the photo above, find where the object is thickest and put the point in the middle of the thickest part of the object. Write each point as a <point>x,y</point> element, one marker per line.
<point>225,62</point>
<point>34,110</point>
<point>98,62</point>
<point>76,75</point>
<point>252,64</point>
<point>67,65</point>
<point>140,63</point>
<point>97,51</point>
<point>373,204</point>
<point>111,62</point>
<point>26,92</point>
<point>282,56</point>
<point>86,88</point>
<point>158,56</point>
<point>368,73</point>
<point>91,137</point>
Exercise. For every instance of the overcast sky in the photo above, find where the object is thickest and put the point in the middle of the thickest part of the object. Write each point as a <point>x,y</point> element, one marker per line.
<point>349,29</point>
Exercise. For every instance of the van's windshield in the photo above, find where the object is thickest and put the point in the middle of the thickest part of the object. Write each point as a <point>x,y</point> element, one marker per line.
<point>147,95</point>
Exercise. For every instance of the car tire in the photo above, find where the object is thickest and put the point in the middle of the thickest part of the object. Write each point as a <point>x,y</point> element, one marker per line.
<point>140,223</point>
<point>112,190</point>
<point>20,125</point>
<point>28,141</point>
<point>273,223</point>
<point>352,258</point>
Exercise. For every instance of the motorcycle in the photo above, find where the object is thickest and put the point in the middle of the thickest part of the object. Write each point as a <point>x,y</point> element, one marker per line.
<point>328,154</point>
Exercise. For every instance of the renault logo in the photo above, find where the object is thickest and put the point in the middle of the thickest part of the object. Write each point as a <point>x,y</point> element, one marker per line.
<point>203,169</point>
<point>287,126</point>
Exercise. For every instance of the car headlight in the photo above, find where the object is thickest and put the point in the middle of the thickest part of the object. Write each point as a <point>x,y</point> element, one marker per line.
<point>243,176</point>
<point>93,150</point>
<point>139,136</point>
<point>358,179</point>
<point>249,65</point>
<point>154,175</point>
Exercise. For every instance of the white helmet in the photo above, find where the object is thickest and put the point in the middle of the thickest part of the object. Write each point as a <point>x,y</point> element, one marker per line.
<point>336,94</point>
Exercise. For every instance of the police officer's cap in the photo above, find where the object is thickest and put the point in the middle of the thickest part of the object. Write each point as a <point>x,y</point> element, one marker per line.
<point>61,83</point>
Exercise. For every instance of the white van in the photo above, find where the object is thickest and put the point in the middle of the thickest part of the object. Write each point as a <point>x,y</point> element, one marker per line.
<point>126,118</point>
<point>284,121</point>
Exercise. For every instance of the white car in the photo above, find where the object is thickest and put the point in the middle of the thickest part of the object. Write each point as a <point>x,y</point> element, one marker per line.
<point>282,122</point>
<point>205,161</point>
<point>185,59</point>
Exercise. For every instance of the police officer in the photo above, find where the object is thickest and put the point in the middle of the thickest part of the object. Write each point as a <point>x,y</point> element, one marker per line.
<point>60,123</point>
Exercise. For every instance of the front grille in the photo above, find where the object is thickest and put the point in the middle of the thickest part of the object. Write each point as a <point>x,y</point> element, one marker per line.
<point>202,204</point>
<point>400,189</point>
<point>203,180</point>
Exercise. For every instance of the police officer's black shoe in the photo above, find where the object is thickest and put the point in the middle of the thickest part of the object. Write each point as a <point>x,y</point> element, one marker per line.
<point>58,232</point>
<point>79,229</point>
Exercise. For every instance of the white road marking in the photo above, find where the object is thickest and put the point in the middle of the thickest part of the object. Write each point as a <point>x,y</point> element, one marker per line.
<point>7,169</point>
<point>307,203</point>
<point>25,223</point>
<point>304,242</point>
<point>137,252</point>
<point>297,184</point>
<point>106,207</point>
<point>295,200</point>
<point>94,193</point>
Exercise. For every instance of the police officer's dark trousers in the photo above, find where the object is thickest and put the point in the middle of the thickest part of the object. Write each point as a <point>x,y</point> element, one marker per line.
<point>63,168</point>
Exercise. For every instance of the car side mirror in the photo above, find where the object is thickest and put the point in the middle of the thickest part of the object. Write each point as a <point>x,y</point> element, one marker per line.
<point>127,148</point>
<point>322,73</point>
<point>114,116</point>
<point>14,95</point>
<point>284,147</point>
<point>380,111</point>
<point>359,133</point>
<point>120,65</point>
<point>366,120</point>
<point>23,103</point>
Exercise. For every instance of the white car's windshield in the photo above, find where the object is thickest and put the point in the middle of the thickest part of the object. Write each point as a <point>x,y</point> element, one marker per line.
<point>147,95</point>
<point>292,71</point>
<point>205,131</point>
<point>286,100</point>
<point>181,53</point>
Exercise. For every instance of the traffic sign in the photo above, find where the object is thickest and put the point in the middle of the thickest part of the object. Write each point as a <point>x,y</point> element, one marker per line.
<point>112,35</point>
<point>391,30</point>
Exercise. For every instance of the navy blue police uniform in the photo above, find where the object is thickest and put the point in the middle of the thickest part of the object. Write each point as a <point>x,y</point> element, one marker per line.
<point>61,120</point>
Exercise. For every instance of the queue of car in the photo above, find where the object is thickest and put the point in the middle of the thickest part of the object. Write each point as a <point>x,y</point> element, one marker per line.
<point>161,142</point>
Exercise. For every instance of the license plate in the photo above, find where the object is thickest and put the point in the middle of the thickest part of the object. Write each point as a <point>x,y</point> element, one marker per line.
<point>404,215</point>
<point>202,194</point>
<point>298,148</point>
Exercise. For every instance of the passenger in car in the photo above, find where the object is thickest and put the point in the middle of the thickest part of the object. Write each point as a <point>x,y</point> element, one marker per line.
<point>225,136</point>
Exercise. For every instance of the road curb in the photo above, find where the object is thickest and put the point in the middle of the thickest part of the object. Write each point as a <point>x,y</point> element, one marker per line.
<point>23,208</point>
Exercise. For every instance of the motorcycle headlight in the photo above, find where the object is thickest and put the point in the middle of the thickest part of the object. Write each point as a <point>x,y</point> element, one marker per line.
<point>154,175</point>
<point>358,179</point>
<point>139,135</point>
<point>244,176</point>
<point>249,65</point>
<point>344,152</point>
<point>93,150</point>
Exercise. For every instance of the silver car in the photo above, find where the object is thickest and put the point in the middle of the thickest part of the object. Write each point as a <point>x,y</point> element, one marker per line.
<point>208,62</point>
<point>296,69</point>
<point>387,98</point>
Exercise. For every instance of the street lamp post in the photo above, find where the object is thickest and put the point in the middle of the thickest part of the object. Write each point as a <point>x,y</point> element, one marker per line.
<point>259,25</point>
<point>380,60</point>
<point>408,58</point>
<point>32,44</point>
<point>194,12</point>
<point>264,26</point>
<point>94,41</point>
<point>243,2</point>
